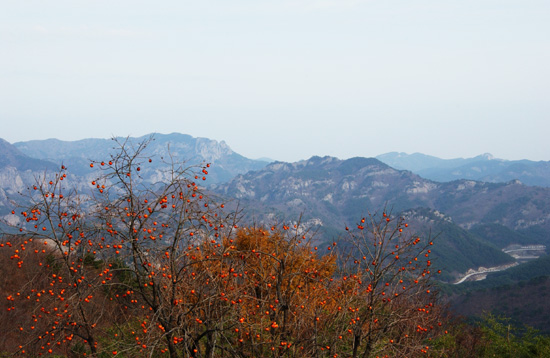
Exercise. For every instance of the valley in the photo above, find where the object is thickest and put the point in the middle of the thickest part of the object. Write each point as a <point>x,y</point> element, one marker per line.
<point>520,253</point>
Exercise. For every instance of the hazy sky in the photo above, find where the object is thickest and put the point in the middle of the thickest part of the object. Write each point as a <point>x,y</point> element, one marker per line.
<point>285,79</point>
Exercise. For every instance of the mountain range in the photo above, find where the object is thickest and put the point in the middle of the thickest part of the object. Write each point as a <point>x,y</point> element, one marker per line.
<point>340,191</point>
<point>327,193</point>
<point>174,146</point>
<point>484,167</point>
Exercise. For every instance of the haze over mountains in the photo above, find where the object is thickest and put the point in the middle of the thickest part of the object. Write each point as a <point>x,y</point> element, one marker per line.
<point>329,193</point>
<point>484,167</point>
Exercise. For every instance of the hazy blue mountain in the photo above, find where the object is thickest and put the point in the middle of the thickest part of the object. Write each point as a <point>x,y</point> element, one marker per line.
<point>12,157</point>
<point>483,168</point>
<point>264,159</point>
<point>180,147</point>
<point>417,161</point>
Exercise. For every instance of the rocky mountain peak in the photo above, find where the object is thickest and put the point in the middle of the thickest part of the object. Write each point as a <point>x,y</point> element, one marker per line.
<point>212,150</point>
<point>486,156</point>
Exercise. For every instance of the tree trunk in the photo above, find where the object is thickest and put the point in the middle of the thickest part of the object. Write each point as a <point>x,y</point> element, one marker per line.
<point>356,342</point>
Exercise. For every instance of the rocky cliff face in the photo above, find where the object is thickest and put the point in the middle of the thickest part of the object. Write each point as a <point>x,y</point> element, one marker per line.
<point>17,172</point>
<point>11,181</point>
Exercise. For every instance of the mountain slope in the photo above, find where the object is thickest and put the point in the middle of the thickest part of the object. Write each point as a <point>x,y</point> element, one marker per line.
<point>456,249</point>
<point>519,292</point>
<point>17,171</point>
<point>328,193</point>
<point>328,189</point>
<point>501,236</point>
<point>12,157</point>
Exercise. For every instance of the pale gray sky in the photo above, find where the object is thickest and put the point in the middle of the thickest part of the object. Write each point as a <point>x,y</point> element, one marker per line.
<point>285,79</point>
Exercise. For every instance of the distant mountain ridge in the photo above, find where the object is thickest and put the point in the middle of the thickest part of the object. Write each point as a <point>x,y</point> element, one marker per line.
<point>484,167</point>
<point>22,163</point>
<point>182,147</point>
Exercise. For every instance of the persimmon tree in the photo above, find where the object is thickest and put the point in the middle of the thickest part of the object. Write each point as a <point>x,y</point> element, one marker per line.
<point>163,233</point>
<point>390,289</point>
<point>128,246</point>
<point>65,287</point>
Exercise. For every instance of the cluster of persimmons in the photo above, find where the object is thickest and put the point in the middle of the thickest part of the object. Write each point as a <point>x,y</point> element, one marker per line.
<point>127,267</point>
